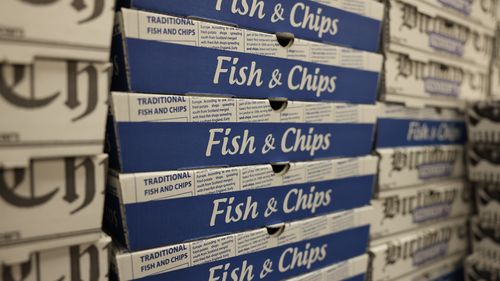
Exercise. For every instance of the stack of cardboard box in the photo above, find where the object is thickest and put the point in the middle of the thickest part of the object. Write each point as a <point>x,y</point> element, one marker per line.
<point>54,84</point>
<point>422,201</point>
<point>484,175</point>
<point>240,136</point>
<point>437,59</point>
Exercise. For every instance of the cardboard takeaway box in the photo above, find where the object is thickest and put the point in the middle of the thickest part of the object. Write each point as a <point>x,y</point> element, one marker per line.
<point>425,27</point>
<point>76,30</point>
<point>51,108</point>
<point>482,12</point>
<point>398,255</point>
<point>483,122</point>
<point>52,203</point>
<point>351,270</point>
<point>494,93</point>
<point>87,260</point>
<point>330,21</point>
<point>278,253</point>
<point>411,208</point>
<point>485,237</point>
<point>483,162</point>
<point>420,79</point>
<point>487,197</point>
<point>418,145</point>
<point>478,268</point>
<point>449,268</point>
<point>208,202</point>
<point>166,132</point>
<point>156,53</point>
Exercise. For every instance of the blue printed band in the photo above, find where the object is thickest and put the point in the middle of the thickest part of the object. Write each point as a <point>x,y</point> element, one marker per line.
<point>157,146</point>
<point>406,132</point>
<point>305,19</point>
<point>165,222</point>
<point>281,262</point>
<point>159,67</point>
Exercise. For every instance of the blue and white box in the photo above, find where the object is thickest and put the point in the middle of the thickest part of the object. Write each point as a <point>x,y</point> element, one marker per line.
<point>49,203</point>
<point>52,108</point>
<point>419,79</point>
<point>208,202</point>
<point>296,248</point>
<point>87,260</point>
<point>420,25</point>
<point>418,145</point>
<point>484,162</point>
<point>351,270</point>
<point>407,209</point>
<point>166,132</point>
<point>356,25</point>
<point>395,256</point>
<point>156,53</point>
<point>481,12</point>
<point>77,30</point>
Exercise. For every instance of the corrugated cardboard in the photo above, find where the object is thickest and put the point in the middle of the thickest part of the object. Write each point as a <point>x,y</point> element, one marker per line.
<point>48,203</point>
<point>350,270</point>
<point>208,202</point>
<point>402,210</point>
<point>77,30</point>
<point>299,247</point>
<point>395,256</point>
<point>425,27</point>
<point>420,79</point>
<point>164,132</point>
<point>157,53</point>
<point>339,22</point>
<point>85,261</point>
<point>51,108</point>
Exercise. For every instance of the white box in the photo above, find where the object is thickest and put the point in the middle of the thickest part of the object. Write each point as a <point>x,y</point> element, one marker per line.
<point>485,236</point>
<point>352,268</point>
<point>395,256</point>
<point>479,268</point>
<point>52,108</point>
<point>421,26</point>
<point>421,79</point>
<point>483,162</point>
<point>483,122</point>
<point>495,80</point>
<point>85,261</point>
<point>52,198</point>
<point>487,197</point>
<point>408,166</point>
<point>450,268</point>
<point>79,29</point>
<point>482,12</point>
<point>196,254</point>
<point>494,93</point>
<point>410,208</point>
